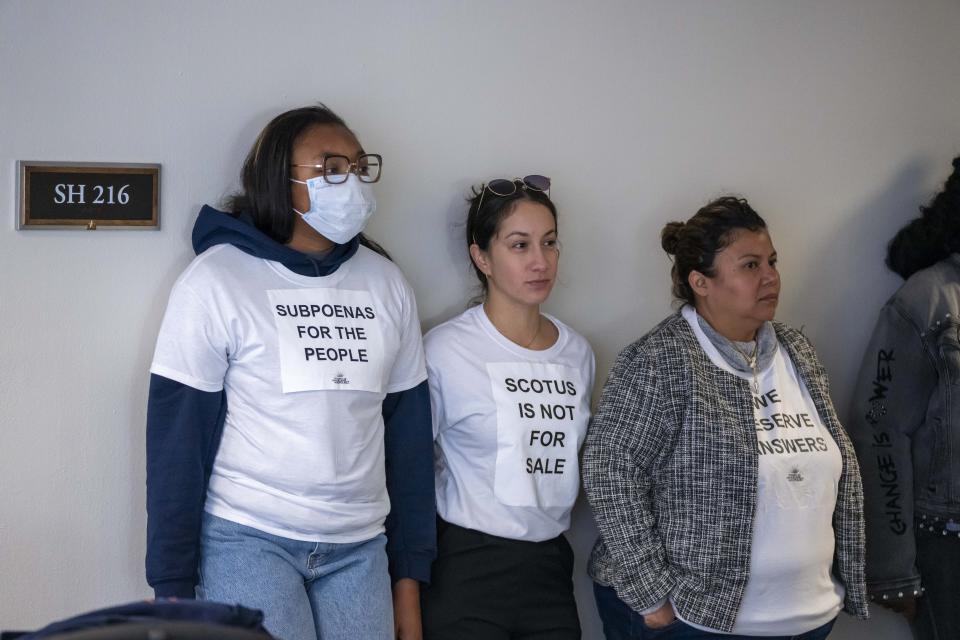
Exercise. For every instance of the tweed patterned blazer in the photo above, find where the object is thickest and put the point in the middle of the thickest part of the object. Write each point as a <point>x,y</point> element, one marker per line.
<point>670,470</point>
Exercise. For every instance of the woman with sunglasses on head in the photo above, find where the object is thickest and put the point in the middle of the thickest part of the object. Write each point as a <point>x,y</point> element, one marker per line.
<point>510,388</point>
<point>725,490</point>
<point>288,370</point>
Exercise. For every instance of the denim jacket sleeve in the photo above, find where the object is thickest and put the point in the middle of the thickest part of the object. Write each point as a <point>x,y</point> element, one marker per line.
<point>622,446</point>
<point>893,388</point>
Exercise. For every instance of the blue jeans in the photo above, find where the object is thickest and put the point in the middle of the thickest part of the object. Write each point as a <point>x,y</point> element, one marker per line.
<point>306,590</point>
<point>620,622</point>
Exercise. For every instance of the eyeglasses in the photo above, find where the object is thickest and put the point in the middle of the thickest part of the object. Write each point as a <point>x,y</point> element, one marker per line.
<point>503,187</point>
<point>336,169</point>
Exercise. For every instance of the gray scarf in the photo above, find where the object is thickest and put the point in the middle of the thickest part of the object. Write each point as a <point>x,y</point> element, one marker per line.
<point>767,348</point>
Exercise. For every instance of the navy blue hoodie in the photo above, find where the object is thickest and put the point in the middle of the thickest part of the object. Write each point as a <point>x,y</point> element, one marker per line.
<point>184,426</point>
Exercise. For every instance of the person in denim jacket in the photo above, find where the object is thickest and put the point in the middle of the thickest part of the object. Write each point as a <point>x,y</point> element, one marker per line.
<point>906,429</point>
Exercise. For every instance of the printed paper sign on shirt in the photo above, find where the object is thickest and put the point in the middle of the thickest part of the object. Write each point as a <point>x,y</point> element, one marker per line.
<point>542,413</point>
<point>799,464</point>
<point>329,339</point>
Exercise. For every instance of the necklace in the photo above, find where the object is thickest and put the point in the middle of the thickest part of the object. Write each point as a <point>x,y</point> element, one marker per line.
<point>751,362</point>
<point>496,325</point>
<point>535,335</point>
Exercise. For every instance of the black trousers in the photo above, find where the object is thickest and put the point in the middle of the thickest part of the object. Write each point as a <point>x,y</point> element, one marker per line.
<point>485,587</point>
<point>938,613</point>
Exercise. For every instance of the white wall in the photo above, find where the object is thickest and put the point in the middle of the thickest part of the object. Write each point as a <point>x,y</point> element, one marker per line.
<point>836,118</point>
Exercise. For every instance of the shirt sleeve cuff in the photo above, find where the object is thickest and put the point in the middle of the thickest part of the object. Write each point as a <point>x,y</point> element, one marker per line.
<point>183,589</point>
<point>894,594</point>
<point>655,607</point>
<point>411,565</point>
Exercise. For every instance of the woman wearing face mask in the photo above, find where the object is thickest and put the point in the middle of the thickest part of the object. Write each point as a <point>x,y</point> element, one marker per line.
<point>288,368</point>
<point>510,388</point>
<point>726,492</point>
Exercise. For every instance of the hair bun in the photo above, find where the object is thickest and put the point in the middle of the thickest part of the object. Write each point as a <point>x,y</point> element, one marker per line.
<point>670,237</point>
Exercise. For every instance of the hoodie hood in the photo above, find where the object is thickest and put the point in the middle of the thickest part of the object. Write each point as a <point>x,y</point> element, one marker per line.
<point>215,227</point>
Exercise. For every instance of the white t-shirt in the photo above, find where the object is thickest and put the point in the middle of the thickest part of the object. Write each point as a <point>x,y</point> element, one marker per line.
<point>305,363</point>
<point>791,589</point>
<point>508,423</point>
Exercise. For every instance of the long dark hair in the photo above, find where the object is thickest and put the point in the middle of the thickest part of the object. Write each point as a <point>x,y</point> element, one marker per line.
<point>933,236</point>
<point>695,243</point>
<point>265,176</point>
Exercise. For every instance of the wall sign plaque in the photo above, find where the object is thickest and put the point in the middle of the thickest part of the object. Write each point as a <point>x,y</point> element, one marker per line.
<point>88,195</point>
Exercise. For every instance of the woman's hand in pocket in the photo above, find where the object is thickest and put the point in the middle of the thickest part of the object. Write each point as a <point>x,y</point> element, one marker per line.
<point>661,617</point>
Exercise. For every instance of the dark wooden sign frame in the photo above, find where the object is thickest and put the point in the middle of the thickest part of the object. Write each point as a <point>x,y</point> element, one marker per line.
<point>88,195</point>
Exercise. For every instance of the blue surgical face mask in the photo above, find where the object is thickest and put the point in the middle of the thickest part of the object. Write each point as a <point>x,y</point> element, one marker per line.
<point>338,211</point>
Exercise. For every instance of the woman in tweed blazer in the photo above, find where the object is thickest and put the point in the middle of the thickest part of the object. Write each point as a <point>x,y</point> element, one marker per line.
<point>726,492</point>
